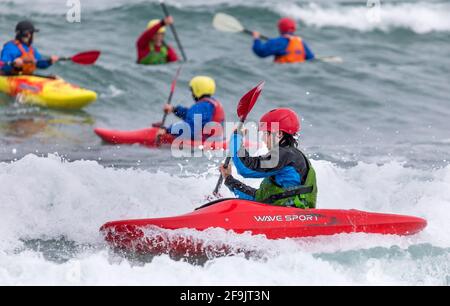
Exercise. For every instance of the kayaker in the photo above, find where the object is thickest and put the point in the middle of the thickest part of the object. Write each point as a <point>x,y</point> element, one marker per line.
<point>289,178</point>
<point>288,48</point>
<point>151,47</point>
<point>206,110</point>
<point>20,57</point>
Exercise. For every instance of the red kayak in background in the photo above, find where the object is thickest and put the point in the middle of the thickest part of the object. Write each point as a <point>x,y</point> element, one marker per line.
<point>147,137</point>
<point>149,236</point>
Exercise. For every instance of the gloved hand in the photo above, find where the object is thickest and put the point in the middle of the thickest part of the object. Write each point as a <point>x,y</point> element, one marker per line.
<point>168,108</point>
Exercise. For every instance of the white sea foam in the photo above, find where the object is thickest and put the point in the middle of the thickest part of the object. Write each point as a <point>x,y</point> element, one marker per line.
<point>45,198</point>
<point>421,17</point>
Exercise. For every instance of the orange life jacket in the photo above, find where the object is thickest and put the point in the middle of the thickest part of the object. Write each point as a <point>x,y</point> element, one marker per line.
<point>29,60</point>
<point>295,51</point>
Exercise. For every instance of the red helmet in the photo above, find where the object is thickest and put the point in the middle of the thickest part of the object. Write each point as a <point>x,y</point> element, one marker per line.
<point>287,25</point>
<point>286,118</point>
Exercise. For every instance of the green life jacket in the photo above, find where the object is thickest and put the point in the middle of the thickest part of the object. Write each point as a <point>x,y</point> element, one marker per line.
<point>154,57</point>
<point>304,196</point>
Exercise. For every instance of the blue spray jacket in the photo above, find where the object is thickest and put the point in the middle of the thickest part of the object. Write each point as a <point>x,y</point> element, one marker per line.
<point>288,169</point>
<point>202,110</point>
<point>11,52</point>
<point>277,47</point>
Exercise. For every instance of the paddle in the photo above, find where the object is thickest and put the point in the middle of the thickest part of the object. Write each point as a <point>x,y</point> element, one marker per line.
<point>243,109</point>
<point>169,100</point>
<point>84,58</point>
<point>330,59</point>
<point>227,23</point>
<point>172,27</point>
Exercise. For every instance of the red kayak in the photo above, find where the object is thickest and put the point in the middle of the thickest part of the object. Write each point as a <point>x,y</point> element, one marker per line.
<point>147,137</point>
<point>240,216</point>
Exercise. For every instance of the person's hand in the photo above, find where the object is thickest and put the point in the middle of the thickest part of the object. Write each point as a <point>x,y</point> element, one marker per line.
<point>18,62</point>
<point>226,172</point>
<point>256,35</point>
<point>54,59</point>
<point>168,108</point>
<point>168,20</point>
<point>161,132</point>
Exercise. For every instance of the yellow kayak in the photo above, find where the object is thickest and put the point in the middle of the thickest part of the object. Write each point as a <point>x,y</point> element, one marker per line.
<point>47,92</point>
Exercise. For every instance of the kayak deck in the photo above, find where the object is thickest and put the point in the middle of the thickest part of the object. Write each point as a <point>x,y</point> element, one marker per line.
<point>46,92</point>
<point>242,216</point>
<point>147,137</point>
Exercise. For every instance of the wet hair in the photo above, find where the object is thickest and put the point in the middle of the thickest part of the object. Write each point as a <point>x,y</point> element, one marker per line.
<point>288,140</point>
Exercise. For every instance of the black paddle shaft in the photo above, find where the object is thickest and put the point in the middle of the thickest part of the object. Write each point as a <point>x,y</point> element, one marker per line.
<point>166,12</point>
<point>226,164</point>
<point>249,32</point>
<point>220,181</point>
<point>163,122</point>
<point>169,100</point>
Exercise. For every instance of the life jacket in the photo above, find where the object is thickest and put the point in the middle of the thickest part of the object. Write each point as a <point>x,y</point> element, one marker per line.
<point>29,60</point>
<point>218,118</point>
<point>154,57</point>
<point>219,113</point>
<point>303,196</point>
<point>295,51</point>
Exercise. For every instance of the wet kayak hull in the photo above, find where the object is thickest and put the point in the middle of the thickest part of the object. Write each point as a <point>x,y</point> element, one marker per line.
<point>239,216</point>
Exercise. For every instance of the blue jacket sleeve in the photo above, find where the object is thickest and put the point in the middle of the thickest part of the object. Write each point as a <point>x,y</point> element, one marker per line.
<point>264,166</point>
<point>9,54</point>
<point>180,111</point>
<point>242,161</point>
<point>309,53</point>
<point>275,46</point>
<point>201,112</point>
<point>41,63</point>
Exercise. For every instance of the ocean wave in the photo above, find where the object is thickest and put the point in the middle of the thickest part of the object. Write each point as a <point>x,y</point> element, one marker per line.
<point>49,197</point>
<point>420,17</point>
<point>392,266</point>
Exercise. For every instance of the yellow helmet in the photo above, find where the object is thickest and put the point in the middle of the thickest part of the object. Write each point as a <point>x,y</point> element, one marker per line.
<point>154,22</point>
<point>202,86</point>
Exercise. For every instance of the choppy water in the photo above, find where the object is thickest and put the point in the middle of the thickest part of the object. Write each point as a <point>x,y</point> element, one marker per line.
<point>376,126</point>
